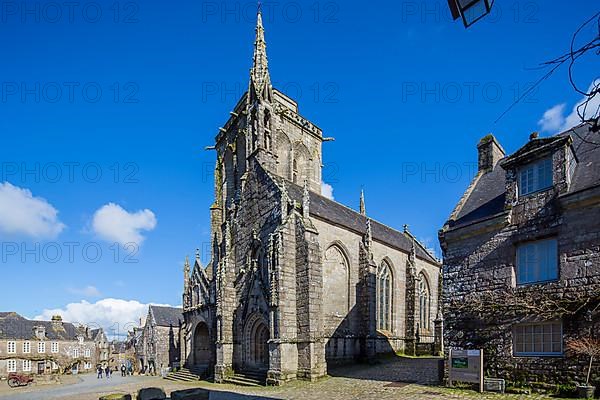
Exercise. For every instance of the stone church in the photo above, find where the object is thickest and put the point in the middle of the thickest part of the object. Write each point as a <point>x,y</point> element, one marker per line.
<point>296,281</point>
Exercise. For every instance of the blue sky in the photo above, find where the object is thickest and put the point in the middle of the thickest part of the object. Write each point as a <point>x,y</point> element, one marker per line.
<point>136,90</point>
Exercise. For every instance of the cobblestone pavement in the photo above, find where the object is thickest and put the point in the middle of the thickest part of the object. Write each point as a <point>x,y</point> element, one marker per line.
<point>378,382</point>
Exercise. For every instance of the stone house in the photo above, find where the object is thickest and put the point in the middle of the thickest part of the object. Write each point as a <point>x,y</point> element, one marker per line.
<point>102,346</point>
<point>296,281</point>
<point>159,339</point>
<point>46,347</point>
<point>522,257</point>
<point>135,347</point>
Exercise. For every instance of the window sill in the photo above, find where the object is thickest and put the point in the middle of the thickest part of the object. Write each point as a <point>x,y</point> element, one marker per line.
<point>539,355</point>
<point>528,284</point>
<point>524,196</point>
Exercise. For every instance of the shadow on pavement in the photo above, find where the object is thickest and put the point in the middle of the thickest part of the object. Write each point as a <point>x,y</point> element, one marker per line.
<point>422,370</point>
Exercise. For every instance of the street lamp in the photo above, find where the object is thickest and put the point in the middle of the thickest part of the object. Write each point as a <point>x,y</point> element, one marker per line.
<point>471,11</point>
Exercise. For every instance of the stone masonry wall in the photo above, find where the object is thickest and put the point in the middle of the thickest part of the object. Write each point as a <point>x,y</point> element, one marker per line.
<point>482,301</point>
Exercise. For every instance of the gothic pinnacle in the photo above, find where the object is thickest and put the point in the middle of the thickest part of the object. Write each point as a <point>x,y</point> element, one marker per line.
<point>186,271</point>
<point>363,210</point>
<point>259,74</point>
<point>305,200</point>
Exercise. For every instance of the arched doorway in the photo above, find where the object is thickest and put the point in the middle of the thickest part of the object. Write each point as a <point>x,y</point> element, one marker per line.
<point>201,345</point>
<point>257,350</point>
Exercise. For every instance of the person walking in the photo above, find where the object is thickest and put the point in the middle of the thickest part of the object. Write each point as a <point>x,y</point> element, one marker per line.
<point>99,372</point>
<point>107,371</point>
<point>123,369</point>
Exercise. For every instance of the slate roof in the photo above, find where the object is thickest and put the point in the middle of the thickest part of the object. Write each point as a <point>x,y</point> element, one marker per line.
<point>167,316</point>
<point>346,217</point>
<point>487,196</point>
<point>14,326</point>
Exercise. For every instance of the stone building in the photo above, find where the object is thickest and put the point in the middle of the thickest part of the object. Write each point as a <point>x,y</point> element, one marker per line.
<point>47,347</point>
<point>159,339</point>
<point>296,281</point>
<point>522,257</point>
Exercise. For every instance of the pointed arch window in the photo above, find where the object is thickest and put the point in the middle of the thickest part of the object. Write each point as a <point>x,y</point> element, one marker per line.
<point>336,283</point>
<point>384,297</point>
<point>267,124</point>
<point>424,303</point>
<point>295,171</point>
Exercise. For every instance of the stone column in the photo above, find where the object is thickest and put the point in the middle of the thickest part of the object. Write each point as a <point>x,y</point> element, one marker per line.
<point>226,299</point>
<point>410,343</point>
<point>309,278</point>
<point>283,350</point>
<point>367,303</point>
<point>438,345</point>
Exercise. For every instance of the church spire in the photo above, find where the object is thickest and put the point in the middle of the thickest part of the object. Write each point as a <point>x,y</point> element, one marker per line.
<point>363,210</point>
<point>259,75</point>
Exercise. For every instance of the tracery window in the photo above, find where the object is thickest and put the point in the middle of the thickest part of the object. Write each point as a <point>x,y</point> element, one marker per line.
<point>384,297</point>
<point>424,303</point>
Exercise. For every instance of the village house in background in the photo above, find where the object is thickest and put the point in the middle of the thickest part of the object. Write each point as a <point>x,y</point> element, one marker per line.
<point>522,257</point>
<point>297,281</point>
<point>157,343</point>
<point>49,347</point>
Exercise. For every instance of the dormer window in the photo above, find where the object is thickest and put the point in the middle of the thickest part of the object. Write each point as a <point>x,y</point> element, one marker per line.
<point>40,332</point>
<point>535,177</point>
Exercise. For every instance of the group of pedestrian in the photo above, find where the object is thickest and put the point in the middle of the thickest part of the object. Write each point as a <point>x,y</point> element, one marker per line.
<point>126,370</point>
<point>104,371</point>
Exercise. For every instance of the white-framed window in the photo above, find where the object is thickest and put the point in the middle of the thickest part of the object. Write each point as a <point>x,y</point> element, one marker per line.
<point>87,353</point>
<point>80,340</point>
<point>538,339</point>
<point>54,347</point>
<point>537,261</point>
<point>88,365</point>
<point>535,176</point>
<point>75,353</point>
<point>41,347</point>
<point>11,347</point>
<point>11,366</point>
<point>26,365</point>
<point>26,347</point>
<point>54,365</point>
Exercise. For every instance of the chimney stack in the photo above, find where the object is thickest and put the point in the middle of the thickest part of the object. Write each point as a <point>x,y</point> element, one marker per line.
<point>57,322</point>
<point>490,152</point>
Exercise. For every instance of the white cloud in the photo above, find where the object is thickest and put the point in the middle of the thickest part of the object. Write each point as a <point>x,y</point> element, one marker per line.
<point>116,316</point>
<point>555,121</point>
<point>112,223</point>
<point>88,291</point>
<point>22,213</point>
<point>327,190</point>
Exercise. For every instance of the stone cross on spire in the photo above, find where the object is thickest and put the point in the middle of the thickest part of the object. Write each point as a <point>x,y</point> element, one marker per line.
<point>259,75</point>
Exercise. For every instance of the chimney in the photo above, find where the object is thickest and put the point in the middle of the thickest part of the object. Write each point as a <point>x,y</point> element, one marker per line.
<point>533,136</point>
<point>56,322</point>
<point>490,152</point>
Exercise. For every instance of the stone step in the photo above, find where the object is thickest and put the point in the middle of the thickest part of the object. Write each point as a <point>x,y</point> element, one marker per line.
<point>183,375</point>
<point>258,375</point>
<point>179,379</point>
<point>243,381</point>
